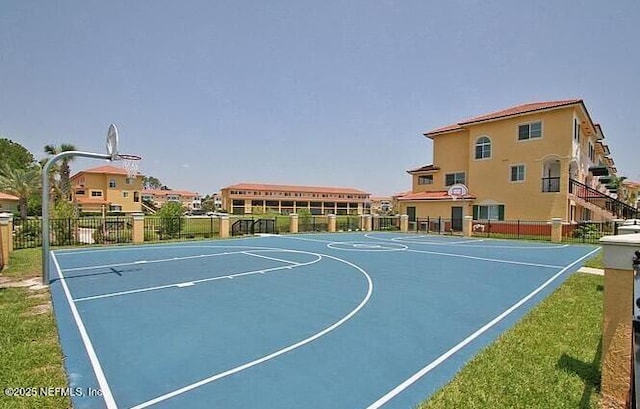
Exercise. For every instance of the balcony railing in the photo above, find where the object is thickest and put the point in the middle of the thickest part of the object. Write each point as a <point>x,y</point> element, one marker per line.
<point>603,201</point>
<point>551,184</point>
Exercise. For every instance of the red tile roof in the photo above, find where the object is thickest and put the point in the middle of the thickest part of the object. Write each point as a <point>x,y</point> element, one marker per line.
<point>516,110</point>
<point>425,168</point>
<point>293,188</point>
<point>6,196</point>
<point>106,169</point>
<point>160,192</point>
<point>437,195</point>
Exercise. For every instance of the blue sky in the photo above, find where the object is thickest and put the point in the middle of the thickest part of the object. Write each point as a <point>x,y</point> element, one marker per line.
<point>328,93</point>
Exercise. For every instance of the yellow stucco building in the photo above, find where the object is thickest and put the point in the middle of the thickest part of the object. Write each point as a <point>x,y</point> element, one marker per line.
<point>534,162</point>
<point>106,189</point>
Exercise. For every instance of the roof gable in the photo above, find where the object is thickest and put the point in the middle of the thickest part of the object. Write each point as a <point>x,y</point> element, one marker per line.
<point>504,113</point>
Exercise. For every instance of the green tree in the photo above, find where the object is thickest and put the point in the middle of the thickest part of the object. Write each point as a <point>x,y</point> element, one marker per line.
<point>150,182</point>
<point>170,219</point>
<point>63,170</point>
<point>20,182</point>
<point>14,154</point>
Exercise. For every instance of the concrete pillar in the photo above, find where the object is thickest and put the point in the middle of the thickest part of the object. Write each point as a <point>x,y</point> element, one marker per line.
<point>404,223</point>
<point>367,222</point>
<point>138,228</point>
<point>617,355</point>
<point>331,226</point>
<point>6,238</point>
<point>556,229</point>
<point>467,226</point>
<point>293,223</point>
<point>224,227</point>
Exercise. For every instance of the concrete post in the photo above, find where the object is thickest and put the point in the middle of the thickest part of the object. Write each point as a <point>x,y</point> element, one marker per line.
<point>467,226</point>
<point>6,238</point>
<point>404,223</point>
<point>331,227</point>
<point>556,229</point>
<point>617,355</point>
<point>138,228</point>
<point>224,227</point>
<point>293,223</point>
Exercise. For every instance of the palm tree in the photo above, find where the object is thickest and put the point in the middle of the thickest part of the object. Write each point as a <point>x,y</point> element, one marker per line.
<point>63,170</point>
<point>21,183</point>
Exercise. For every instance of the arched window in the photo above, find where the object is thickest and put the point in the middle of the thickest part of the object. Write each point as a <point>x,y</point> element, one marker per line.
<point>483,147</point>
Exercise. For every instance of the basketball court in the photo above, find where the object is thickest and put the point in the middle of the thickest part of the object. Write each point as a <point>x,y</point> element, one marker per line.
<point>350,320</point>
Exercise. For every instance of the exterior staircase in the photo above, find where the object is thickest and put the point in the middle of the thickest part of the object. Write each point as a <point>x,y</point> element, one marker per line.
<point>596,201</point>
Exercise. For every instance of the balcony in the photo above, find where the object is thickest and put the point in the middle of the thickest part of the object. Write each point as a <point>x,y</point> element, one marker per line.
<point>551,184</point>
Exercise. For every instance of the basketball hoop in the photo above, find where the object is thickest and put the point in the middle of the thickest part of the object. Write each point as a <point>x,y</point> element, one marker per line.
<point>131,163</point>
<point>457,191</point>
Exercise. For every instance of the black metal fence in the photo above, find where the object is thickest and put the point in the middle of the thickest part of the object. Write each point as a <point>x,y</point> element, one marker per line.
<point>385,223</point>
<point>73,232</point>
<point>588,231</point>
<point>347,223</point>
<point>312,224</point>
<point>436,225</point>
<point>512,229</point>
<point>251,226</point>
<point>176,228</point>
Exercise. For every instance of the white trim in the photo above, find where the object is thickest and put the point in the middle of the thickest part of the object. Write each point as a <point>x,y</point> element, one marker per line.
<point>524,175</point>
<point>93,357</point>
<point>518,125</point>
<point>475,144</point>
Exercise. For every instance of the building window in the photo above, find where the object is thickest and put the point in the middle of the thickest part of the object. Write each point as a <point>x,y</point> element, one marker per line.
<point>576,130</point>
<point>453,178</point>
<point>128,181</point>
<point>425,180</point>
<point>96,193</point>
<point>112,183</point>
<point>517,173</point>
<point>136,197</point>
<point>125,194</point>
<point>80,192</point>
<point>483,148</point>
<point>488,212</point>
<point>592,152</point>
<point>532,130</point>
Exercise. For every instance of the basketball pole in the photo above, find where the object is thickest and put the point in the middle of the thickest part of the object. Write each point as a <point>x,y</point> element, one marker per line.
<point>45,202</point>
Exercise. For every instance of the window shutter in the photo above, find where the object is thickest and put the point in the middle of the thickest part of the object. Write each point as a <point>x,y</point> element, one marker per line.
<point>500,212</point>
<point>476,212</point>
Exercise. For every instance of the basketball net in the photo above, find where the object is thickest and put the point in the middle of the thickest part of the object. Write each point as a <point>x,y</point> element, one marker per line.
<point>131,163</point>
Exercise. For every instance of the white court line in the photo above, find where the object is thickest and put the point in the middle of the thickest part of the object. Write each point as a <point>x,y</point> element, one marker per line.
<point>274,354</point>
<point>268,258</point>
<point>411,380</point>
<point>93,357</point>
<point>193,282</point>
<point>493,260</point>
<point>162,260</point>
<point>306,239</point>
<point>468,243</point>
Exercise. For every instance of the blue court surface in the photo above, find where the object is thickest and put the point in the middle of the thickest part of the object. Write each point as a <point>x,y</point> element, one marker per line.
<point>348,320</point>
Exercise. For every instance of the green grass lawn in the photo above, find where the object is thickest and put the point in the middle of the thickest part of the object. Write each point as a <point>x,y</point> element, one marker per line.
<point>30,355</point>
<point>551,359</point>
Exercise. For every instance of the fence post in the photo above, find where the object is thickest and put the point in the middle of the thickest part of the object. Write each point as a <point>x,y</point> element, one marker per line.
<point>367,222</point>
<point>617,354</point>
<point>293,223</point>
<point>137,235</point>
<point>556,229</point>
<point>467,226</point>
<point>404,223</point>
<point>6,238</point>
<point>331,227</point>
<point>224,227</point>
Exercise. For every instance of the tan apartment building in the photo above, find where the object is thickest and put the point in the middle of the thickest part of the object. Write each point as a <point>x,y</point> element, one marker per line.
<point>190,200</point>
<point>535,162</point>
<point>106,189</point>
<point>247,198</point>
